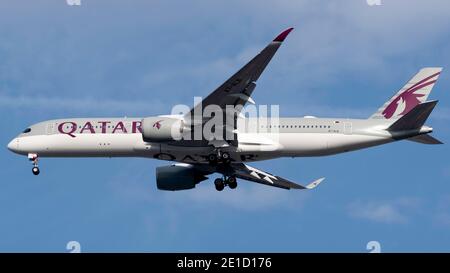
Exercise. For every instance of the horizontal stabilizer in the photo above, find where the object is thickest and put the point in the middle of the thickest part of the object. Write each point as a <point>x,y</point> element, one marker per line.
<point>425,139</point>
<point>415,118</point>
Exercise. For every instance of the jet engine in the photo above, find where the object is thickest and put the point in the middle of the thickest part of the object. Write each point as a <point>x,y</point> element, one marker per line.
<point>159,129</point>
<point>178,177</point>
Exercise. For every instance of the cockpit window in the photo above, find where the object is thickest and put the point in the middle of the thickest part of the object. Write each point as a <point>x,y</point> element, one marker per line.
<point>27,130</point>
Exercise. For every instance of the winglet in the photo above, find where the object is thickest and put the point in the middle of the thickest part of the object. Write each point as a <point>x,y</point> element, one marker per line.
<point>283,35</point>
<point>314,184</point>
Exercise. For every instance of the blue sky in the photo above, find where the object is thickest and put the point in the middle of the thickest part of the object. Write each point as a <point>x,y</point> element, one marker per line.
<point>138,58</point>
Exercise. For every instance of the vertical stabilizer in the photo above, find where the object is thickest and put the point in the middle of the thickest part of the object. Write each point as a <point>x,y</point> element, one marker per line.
<point>416,91</point>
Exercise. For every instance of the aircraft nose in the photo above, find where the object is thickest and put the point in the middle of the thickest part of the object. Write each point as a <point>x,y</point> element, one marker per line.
<point>13,145</point>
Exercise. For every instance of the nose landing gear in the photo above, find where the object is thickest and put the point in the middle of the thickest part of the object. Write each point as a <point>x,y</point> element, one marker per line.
<point>35,170</point>
<point>34,159</point>
<point>229,181</point>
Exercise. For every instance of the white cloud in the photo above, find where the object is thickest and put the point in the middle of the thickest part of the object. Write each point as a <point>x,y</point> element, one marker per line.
<point>252,197</point>
<point>332,39</point>
<point>442,218</point>
<point>335,39</point>
<point>441,113</point>
<point>85,104</point>
<point>248,196</point>
<point>157,107</point>
<point>391,212</point>
<point>441,215</point>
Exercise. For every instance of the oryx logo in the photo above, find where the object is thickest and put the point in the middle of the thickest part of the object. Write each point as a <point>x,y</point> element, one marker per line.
<point>157,124</point>
<point>409,98</point>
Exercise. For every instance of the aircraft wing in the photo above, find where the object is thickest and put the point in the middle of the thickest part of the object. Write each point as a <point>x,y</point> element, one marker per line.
<point>239,87</point>
<point>246,172</point>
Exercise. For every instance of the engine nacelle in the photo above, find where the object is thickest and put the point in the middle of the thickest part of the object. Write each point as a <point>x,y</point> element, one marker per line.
<point>178,177</point>
<point>159,129</point>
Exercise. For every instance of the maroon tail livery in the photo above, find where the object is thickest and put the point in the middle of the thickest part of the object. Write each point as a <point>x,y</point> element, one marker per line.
<point>416,91</point>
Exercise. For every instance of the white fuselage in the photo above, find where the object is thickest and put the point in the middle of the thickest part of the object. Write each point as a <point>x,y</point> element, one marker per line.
<point>115,137</point>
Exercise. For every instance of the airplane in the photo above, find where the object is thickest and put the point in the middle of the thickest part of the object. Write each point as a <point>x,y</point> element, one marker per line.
<point>169,137</point>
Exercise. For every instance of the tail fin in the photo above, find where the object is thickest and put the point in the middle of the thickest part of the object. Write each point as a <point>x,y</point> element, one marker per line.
<point>416,91</point>
<point>414,119</point>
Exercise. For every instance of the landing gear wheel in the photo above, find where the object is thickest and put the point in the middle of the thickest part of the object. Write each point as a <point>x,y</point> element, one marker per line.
<point>220,185</point>
<point>212,158</point>
<point>226,157</point>
<point>232,182</point>
<point>35,170</point>
<point>34,159</point>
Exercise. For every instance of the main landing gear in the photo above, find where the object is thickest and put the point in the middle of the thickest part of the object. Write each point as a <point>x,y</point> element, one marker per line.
<point>218,157</point>
<point>229,181</point>
<point>34,159</point>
